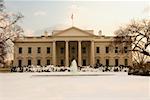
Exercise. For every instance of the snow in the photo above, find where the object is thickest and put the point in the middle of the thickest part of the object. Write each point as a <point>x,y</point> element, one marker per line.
<point>64,86</point>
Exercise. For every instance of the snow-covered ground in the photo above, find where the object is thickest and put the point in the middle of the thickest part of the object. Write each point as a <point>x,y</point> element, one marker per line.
<point>57,86</point>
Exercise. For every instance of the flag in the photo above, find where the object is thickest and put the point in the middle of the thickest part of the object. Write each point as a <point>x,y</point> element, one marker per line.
<point>72,16</point>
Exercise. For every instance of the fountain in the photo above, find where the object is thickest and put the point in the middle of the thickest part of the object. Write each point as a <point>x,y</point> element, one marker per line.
<point>74,66</point>
<point>73,72</point>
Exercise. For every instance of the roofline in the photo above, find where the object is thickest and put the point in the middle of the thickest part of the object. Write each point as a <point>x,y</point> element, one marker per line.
<point>71,28</point>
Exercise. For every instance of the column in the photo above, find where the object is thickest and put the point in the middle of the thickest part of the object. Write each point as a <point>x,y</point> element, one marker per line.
<point>92,53</point>
<point>67,55</point>
<point>79,53</point>
<point>54,53</point>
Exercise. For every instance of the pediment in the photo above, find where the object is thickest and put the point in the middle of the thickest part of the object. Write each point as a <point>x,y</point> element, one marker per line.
<point>73,31</point>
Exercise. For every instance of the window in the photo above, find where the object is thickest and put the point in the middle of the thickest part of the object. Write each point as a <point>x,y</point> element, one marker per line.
<point>62,62</point>
<point>38,62</point>
<point>19,62</point>
<point>116,49</point>
<point>73,50</point>
<point>84,62</point>
<point>20,50</point>
<point>29,62</point>
<point>126,62</point>
<point>97,61</point>
<point>38,50</point>
<point>125,49</point>
<point>97,49</point>
<point>116,62</point>
<point>107,49</point>
<point>62,50</point>
<point>48,62</point>
<point>107,62</point>
<point>84,50</point>
<point>29,50</point>
<point>48,49</point>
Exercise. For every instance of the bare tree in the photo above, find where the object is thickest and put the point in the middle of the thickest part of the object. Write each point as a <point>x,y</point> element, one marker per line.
<point>141,58</point>
<point>137,35</point>
<point>9,30</point>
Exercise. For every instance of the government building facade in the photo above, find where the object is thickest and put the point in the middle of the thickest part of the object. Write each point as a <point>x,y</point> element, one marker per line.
<point>62,46</point>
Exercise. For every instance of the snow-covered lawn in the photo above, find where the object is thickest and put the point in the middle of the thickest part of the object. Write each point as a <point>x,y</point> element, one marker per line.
<point>53,86</point>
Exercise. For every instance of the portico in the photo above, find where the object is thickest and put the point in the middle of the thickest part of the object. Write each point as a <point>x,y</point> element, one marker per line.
<point>65,51</point>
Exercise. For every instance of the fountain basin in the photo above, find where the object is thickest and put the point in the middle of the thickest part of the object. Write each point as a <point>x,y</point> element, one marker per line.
<point>65,74</point>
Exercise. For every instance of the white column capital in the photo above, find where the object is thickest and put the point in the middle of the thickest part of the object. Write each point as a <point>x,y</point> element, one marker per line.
<point>66,40</point>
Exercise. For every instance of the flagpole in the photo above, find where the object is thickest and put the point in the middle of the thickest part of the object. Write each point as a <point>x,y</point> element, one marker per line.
<point>72,19</point>
<point>72,22</point>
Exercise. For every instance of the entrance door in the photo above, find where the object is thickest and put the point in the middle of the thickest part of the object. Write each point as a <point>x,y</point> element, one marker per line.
<point>73,47</point>
<point>84,62</point>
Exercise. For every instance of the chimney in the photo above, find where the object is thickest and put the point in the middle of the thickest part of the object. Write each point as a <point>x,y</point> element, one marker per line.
<point>45,33</point>
<point>100,32</point>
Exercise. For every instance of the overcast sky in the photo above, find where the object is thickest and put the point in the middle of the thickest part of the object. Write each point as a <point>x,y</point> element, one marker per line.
<point>97,15</point>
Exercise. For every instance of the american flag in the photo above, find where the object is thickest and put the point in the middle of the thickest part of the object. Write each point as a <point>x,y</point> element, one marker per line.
<point>72,16</point>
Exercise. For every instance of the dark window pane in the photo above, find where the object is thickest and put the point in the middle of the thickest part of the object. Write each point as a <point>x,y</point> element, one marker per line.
<point>107,62</point>
<point>73,50</point>
<point>61,50</point>
<point>116,62</point>
<point>107,49</point>
<point>97,61</point>
<point>116,49</point>
<point>126,62</point>
<point>125,49</point>
<point>84,50</point>
<point>29,62</point>
<point>48,62</point>
<point>38,62</point>
<point>38,50</point>
<point>62,62</point>
<point>48,49</point>
<point>20,50</point>
<point>84,62</point>
<point>19,62</point>
<point>97,49</point>
<point>29,50</point>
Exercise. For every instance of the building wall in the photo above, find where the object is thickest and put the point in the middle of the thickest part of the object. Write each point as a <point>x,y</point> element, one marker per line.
<point>43,56</point>
<point>102,55</point>
<point>34,56</point>
<point>73,35</point>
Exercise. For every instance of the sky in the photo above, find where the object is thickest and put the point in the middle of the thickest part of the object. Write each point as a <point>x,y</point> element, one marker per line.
<point>107,16</point>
